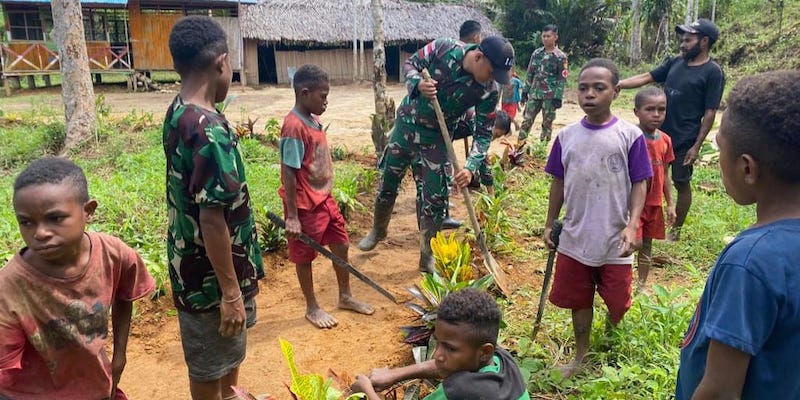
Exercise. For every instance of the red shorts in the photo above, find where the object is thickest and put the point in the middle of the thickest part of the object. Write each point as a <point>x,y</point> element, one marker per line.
<point>510,109</point>
<point>651,225</point>
<point>324,224</point>
<point>574,285</point>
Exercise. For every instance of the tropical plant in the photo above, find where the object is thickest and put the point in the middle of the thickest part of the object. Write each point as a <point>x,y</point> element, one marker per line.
<point>346,195</point>
<point>338,153</point>
<point>452,272</point>
<point>270,235</point>
<point>223,105</point>
<point>272,131</point>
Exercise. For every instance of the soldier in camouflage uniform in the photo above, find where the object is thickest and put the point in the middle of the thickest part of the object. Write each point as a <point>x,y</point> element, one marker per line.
<point>464,76</point>
<point>212,249</point>
<point>544,85</point>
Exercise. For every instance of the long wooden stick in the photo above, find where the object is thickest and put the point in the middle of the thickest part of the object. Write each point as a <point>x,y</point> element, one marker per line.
<point>491,264</point>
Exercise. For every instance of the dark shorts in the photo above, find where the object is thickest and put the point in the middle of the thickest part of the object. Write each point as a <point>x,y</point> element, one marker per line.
<point>652,225</point>
<point>681,173</point>
<point>324,224</point>
<point>208,355</point>
<point>574,285</point>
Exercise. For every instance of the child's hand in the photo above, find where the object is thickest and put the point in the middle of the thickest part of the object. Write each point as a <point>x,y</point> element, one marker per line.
<point>363,385</point>
<point>671,215</point>
<point>547,241</point>
<point>381,378</point>
<point>118,362</point>
<point>293,228</point>
<point>627,241</point>
<point>427,88</point>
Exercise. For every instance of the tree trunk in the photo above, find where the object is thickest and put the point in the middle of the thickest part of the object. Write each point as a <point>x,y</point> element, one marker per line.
<point>713,10</point>
<point>383,118</point>
<point>665,32</point>
<point>636,32</point>
<point>77,92</point>
<point>696,10</point>
<point>689,12</point>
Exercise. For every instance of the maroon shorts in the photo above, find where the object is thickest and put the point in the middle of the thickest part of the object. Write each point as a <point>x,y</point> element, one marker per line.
<point>510,109</point>
<point>574,285</point>
<point>324,224</point>
<point>651,225</point>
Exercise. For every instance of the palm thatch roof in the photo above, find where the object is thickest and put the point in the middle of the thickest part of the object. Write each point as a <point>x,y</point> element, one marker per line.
<point>335,21</point>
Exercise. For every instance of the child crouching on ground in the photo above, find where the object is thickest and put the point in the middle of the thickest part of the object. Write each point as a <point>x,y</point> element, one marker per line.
<point>600,169</point>
<point>467,357</point>
<point>650,106</point>
<point>743,341</point>
<point>306,183</point>
<point>56,294</point>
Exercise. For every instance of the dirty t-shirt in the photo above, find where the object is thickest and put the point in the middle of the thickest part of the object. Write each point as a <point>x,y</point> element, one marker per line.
<point>53,331</point>
<point>205,169</point>
<point>304,147</point>
<point>659,147</point>
<point>598,164</point>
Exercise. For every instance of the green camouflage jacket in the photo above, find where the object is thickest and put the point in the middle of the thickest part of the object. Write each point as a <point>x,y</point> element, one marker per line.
<point>547,75</point>
<point>205,169</point>
<point>457,91</point>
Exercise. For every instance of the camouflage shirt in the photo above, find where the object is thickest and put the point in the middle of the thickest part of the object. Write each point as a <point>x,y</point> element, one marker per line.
<point>547,74</point>
<point>457,91</point>
<point>205,169</point>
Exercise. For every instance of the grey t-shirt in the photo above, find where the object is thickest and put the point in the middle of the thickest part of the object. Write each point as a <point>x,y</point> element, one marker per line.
<point>598,165</point>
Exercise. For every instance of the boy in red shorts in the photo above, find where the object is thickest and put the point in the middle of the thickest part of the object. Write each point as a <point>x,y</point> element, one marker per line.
<point>600,169</point>
<point>650,106</point>
<point>511,97</point>
<point>306,182</point>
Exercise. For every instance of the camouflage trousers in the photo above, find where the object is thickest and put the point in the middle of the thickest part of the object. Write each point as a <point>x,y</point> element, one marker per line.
<point>532,108</point>
<point>427,162</point>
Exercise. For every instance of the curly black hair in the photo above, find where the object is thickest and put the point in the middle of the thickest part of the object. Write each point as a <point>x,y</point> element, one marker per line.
<point>762,120</point>
<point>603,63</point>
<point>646,93</point>
<point>195,42</point>
<point>54,170</point>
<point>469,28</point>
<point>476,309</point>
<point>308,76</point>
<point>502,121</point>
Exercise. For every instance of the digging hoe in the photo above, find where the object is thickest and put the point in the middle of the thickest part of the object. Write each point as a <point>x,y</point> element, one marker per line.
<point>333,257</point>
<point>494,268</point>
<point>548,273</point>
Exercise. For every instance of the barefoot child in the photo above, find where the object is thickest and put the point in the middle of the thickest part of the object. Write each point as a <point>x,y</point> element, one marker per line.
<point>467,357</point>
<point>743,341</point>
<point>650,106</point>
<point>215,260</point>
<point>306,182</point>
<point>600,169</point>
<point>57,292</point>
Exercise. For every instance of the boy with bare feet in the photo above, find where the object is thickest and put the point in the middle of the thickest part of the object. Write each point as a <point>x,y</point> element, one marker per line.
<point>306,182</point>
<point>650,106</point>
<point>600,169</point>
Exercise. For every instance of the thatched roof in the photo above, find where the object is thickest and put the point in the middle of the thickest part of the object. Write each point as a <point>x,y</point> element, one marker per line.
<point>333,21</point>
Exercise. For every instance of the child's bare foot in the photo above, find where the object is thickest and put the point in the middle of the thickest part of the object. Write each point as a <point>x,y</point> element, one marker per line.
<point>570,369</point>
<point>319,318</point>
<point>350,303</point>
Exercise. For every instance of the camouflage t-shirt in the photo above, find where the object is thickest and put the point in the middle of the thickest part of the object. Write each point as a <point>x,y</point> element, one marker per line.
<point>547,74</point>
<point>205,169</point>
<point>457,91</point>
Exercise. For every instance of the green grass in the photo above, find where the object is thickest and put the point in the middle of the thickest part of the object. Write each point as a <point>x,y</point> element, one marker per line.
<point>125,171</point>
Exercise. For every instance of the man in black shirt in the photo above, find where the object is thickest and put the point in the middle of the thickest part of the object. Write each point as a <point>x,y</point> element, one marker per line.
<point>693,84</point>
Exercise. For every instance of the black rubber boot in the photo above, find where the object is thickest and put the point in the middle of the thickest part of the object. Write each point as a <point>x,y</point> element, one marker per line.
<point>427,230</point>
<point>449,222</point>
<point>380,221</point>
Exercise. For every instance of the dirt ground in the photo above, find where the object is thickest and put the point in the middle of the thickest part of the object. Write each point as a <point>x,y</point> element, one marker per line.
<point>156,369</point>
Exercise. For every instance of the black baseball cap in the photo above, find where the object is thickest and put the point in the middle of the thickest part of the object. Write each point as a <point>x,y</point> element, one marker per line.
<point>500,54</point>
<point>702,26</point>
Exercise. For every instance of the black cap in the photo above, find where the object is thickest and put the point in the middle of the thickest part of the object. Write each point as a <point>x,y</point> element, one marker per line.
<point>500,54</point>
<point>703,26</point>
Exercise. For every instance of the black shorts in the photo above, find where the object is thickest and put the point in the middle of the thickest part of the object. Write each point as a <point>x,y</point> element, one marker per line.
<point>681,173</point>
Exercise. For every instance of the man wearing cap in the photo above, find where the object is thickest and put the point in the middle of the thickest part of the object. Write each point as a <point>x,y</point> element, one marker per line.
<point>693,84</point>
<point>463,76</point>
